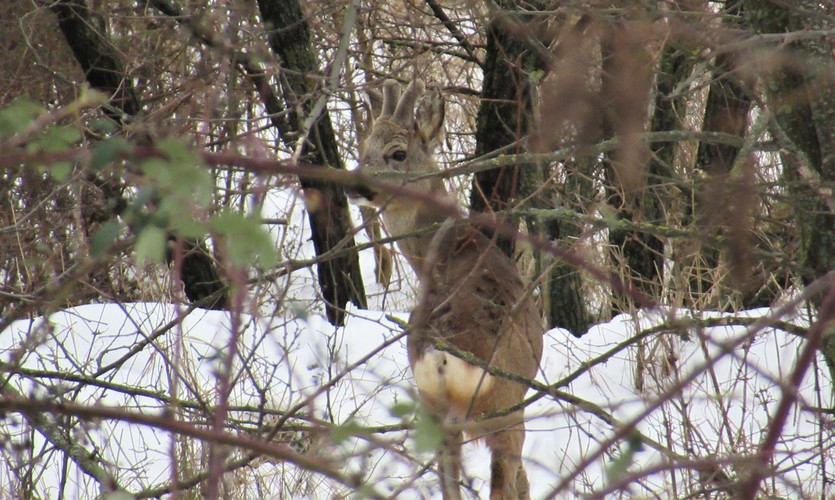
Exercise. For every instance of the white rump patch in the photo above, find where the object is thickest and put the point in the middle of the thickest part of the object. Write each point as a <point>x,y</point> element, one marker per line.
<point>442,376</point>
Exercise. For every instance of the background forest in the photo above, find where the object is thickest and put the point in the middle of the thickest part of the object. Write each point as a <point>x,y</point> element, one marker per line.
<point>664,166</point>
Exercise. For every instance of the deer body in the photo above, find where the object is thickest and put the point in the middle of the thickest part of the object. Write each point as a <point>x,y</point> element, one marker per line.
<point>472,297</point>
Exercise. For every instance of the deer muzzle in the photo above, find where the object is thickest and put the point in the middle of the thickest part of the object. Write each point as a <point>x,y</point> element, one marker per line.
<point>360,195</point>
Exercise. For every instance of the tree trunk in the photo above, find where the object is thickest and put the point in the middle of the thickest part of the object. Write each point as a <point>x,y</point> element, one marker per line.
<point>802,96</point>
<point>625,89</point>
<point>105,71</point>
<point>567,115</point>
<point>726,110</point>
<point>504,119</point>
<point>103,68</point>
<point>504,114</point>
<point>563,295</point>
<point>339,278</point>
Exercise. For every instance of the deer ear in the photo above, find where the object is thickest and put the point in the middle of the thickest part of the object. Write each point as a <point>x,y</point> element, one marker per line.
<point>429,117</point>
<point>375,99</point>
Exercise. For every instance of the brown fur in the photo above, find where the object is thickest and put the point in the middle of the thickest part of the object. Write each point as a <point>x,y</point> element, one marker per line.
<point>472,296</point>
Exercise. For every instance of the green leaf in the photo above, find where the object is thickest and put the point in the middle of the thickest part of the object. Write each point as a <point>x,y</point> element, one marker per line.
<point>228,222</point>
<point>299,311</point>
<point>620,465</point>
<point>191,178</point>
<point>55,139</point>
<point>103,126</point>
<point>158,170</point>
<point>61,170</point>
<point>185,226</point>
<point>177,152</point>
<point>246,240</point>
<point>63,136</point>
<point>403,410</point>
<point>536,76</point>
<point>144,197</point>
<point>341,433</point>
<point>101,240</point>
<point>608,214</point>
<point>180,173</point>
<point>635,441</point>
<point>150,244</point>
<point>106,151</point>
<point>180,221</point>
<point>428,434</point>
<point>18,114</point>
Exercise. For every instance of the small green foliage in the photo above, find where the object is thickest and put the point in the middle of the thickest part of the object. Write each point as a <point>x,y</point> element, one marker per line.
<point>366,490</point>
<point>144,197</point>
<point>182,172</point>
<point>19,117</point>
<point>299,311</point>
<point>55,139</point>
<point>179,188</point>
<point>403,410</point>
<point>609,214</point>
<point>106,151</point>
<point>428,434</point>
<point>170,214</point>
<point>102,126</point>
<point>18,114</point>
<point>620,465</point>
<point>61,170</point>
<point>536,76</point>
<point>341,433</point>
<point>101,240</point>
<point>245,239</point>
<point>150,244</point>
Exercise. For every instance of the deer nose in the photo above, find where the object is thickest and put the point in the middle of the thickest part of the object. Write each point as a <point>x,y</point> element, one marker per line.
<point>359,194</point>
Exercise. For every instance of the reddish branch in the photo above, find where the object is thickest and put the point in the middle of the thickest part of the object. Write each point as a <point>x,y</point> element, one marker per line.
<point>814,337</point>
<point>626,429</point>
<point>165,422</point>
<point>224,381</point>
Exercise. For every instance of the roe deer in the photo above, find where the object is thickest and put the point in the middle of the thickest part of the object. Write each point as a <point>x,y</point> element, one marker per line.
<point>472,296</point>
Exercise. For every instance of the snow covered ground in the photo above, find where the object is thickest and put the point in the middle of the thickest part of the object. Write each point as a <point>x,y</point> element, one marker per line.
<point>733,383</point>
<point>724,411</point>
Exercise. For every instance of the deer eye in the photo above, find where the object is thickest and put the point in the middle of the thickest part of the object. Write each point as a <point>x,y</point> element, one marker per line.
<point>399,155</point>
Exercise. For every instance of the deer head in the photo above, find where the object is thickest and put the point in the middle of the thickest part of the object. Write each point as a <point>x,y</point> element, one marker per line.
<point>402,141</point>
<point>399,149</point>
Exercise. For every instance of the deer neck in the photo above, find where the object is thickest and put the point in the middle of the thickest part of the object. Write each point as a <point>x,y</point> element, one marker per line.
<point>403,217</point>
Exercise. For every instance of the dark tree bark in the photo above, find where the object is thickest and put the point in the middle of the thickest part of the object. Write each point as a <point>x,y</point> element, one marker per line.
<point>339,278</point>
<point>726,110</point>
<point>803,100</point>
<point>643,253</point>
<point>504,121</point>
<point>504,112</point>
<point>105,71</point>
<point>625,90</point>
<point>802,97</point>
<point>567,115</point>
<point>563,295</point>
<point>102,66</point>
